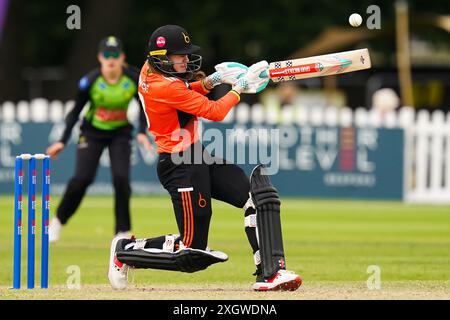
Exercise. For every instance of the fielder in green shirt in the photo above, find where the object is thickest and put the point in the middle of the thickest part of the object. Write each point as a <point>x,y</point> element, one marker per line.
<point>107,91</point>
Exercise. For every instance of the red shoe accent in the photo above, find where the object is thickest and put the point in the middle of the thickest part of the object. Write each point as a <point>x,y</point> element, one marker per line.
<point>291,285</point>
<point>117,262</point>
<point>286,286</point>
<point>273,278</point>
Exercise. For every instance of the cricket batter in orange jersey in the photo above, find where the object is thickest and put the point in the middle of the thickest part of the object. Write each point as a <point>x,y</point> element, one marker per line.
<point>173,102</point>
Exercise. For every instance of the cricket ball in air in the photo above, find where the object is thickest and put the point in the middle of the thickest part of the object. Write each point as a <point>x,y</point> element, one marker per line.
<point>355,20</point>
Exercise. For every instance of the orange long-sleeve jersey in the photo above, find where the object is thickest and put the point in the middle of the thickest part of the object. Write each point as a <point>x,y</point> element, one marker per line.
<point>172,108</point>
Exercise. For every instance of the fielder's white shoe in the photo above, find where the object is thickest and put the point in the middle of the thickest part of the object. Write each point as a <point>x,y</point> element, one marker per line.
<point>118,271</point>
<point>54,230</point>
<point>282,280</point>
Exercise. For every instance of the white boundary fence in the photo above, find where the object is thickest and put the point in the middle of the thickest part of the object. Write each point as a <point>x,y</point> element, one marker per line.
<point>428,162</point>
<point>427,135</point>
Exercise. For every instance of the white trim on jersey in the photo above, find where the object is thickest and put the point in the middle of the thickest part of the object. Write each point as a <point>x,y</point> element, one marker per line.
<point>185,189</point>
<point>171,79</point>
<point>141,98</point>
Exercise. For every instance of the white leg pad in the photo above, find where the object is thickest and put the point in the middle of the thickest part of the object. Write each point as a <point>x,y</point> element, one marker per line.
<point>257,258</point>
<point>250,221</point>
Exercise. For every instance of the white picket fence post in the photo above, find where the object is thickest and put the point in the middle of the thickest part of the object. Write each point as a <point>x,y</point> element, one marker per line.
<point>447,153</point>
<point>406,121</point>
<point>429,140</point>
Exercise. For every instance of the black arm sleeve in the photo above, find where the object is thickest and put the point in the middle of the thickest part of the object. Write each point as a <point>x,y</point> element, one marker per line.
<point>73,115</point>
<point>133,73</point>
<point>80,101</point>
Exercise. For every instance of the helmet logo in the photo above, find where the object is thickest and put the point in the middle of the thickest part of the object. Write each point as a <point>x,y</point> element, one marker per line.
<point>111,41</point>
<point>186,38</point>
<point>161,42</point>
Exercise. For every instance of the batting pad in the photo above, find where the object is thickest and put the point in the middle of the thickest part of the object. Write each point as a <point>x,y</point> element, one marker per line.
<point>267,203</point>
<point>185,260</point>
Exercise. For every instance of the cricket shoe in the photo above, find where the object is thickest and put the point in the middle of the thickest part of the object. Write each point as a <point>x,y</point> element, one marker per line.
<point>282,280</point>
<point>54,230</point>
<point>123,234</point>
<point>118,271</point>
<point>218,254</point>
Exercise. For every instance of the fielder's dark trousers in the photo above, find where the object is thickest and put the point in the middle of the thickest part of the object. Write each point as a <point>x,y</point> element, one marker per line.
<point>191,187</point>
<point>89,150</point>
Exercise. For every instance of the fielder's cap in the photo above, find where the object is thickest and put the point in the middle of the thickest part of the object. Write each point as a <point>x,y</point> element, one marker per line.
<point>110,43</point>
<point>171,39</point>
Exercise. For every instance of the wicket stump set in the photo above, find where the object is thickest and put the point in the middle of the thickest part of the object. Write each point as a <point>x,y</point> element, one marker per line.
<point>18,177</point>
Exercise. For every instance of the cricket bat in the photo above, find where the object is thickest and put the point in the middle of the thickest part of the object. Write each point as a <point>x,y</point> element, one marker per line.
<point>319,66</point>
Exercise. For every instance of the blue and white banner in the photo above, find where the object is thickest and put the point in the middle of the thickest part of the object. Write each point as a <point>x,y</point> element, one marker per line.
<point>324,161</point>
<point>17,138</point>
<point>306,161</point>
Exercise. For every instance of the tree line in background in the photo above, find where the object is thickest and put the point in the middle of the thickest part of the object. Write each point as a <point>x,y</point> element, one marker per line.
<point>35,35</point>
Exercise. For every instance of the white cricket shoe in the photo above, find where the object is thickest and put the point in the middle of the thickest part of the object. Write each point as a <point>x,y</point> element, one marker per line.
<point>282,280</point>
<point>118,271</point>
<point>123,234</point>
<point>218,254</point>
<point>54,230</point>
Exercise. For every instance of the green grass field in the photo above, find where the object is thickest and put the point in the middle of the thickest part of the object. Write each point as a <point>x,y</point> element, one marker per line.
<point>330,244</point>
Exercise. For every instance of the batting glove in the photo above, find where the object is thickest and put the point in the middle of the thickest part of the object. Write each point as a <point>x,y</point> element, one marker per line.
<point>226,72</point>
<point>255,80</point>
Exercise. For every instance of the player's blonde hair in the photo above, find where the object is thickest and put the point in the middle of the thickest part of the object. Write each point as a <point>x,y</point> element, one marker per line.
<point>199,75</point>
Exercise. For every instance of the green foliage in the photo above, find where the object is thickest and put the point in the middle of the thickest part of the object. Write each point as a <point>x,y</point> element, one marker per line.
<point>245,31</point>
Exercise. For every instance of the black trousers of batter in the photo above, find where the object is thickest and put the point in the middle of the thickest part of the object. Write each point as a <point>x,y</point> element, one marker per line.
<point>89,150</point>
<point>191,187</point>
